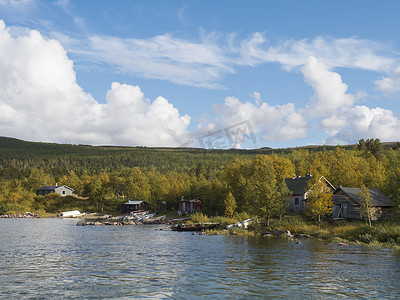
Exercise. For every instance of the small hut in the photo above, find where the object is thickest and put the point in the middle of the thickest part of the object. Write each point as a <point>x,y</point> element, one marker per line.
<point>134,206</point>
<point>347,203</point>
<point>189,206</point>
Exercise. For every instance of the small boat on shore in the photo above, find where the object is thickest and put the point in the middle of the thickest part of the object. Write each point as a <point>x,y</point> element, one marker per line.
<point>194,227</point>
<point>72,214</point>
<point>243,224</point>
<point>154,220</point>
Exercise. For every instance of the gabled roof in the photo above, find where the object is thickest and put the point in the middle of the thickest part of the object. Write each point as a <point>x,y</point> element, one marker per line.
<point>130,202</point>
<point>299,185</point>
<point>377,197</point>
<point>54,187</point>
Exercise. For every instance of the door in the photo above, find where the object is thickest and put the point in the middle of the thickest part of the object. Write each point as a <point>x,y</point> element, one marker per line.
<point>344,211</point>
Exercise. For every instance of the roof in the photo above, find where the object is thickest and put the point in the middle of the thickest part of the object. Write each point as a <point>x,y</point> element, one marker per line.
<point>377,197</point>
<point>134,202</point>
<point>298,185</point>
<point>191,200</point>
<point>54,187</point>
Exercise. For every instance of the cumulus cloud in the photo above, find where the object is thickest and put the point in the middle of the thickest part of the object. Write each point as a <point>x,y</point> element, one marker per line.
<point>340,119</point>
<point>363,122</point>
<point>391,84</point>
<point>41,100</point>
<point>279,122</point>
<point>330,91</point>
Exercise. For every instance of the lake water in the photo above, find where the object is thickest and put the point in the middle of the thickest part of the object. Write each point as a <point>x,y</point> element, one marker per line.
<point>54,258</point>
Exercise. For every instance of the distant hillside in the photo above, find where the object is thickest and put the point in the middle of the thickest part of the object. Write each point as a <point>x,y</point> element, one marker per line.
<point>17,157</point>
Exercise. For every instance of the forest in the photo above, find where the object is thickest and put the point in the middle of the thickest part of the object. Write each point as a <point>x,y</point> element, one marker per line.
<point>226,181</point>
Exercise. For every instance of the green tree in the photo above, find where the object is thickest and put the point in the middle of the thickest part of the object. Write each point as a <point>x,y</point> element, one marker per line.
<point>262,190</point>
<point>230,205</point>
<point>319,200</point>
<point>367,210</point>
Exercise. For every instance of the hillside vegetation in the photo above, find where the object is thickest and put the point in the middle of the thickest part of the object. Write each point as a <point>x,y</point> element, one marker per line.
<point>107,176</point>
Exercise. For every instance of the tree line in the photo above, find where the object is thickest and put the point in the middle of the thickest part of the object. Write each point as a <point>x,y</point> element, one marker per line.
<point>225,182</point>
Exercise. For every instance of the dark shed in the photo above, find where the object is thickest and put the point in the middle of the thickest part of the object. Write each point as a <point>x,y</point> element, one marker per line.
<point>347,203</point>
<point>134,206</point>
<point>189,206</point>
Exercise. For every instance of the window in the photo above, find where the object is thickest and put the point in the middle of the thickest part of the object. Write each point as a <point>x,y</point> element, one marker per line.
<point>296,201</point>
<point>63,192</point>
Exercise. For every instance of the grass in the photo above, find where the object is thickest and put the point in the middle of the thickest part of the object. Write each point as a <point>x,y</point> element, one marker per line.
<point>381,234</point>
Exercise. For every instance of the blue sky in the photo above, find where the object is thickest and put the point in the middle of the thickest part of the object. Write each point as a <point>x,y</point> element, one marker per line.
<point>216,74</point>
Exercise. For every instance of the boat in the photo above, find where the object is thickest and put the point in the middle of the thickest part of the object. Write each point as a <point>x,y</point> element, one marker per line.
<point>72,214</point>
<point>194,227</point>
<point>242,224</point>
<point>154,220</point>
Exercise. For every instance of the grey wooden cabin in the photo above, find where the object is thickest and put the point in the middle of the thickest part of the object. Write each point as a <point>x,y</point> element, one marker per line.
<point>299,187</point>
<point>62,190</point>
<point>346,204</point>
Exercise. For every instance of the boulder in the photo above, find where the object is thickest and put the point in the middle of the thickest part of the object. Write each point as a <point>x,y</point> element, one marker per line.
<point>278,232</point>
<point>81,223</point>
<point>288,234</point>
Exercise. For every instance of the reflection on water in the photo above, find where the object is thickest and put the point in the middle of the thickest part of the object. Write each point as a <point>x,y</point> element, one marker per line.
<point>53,258</point>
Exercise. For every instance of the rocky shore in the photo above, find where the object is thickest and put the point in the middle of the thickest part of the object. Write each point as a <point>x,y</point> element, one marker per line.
<point>27,215</point>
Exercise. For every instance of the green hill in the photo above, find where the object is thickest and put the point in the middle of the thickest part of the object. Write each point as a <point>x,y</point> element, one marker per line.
<point>17,157</point>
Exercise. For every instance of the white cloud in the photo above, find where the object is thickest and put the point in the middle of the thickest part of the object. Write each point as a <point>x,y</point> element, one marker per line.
<point>205,62</point>
<point>40,100</point>
<point>280,122</point>
<point>363,122</point>
<point>163,57</point>
<point>391,84</point>
<point>342,121</point>
<point>17,3</point>
<point>330,91</point>
<point>347,52</point>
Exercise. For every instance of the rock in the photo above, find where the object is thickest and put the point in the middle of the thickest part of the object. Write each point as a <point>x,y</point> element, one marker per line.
<point>343,244</point>
<point>267,234</point>
<point>298,243</point>
<point>97,223</point>
<point>278,232</point>
<point>288,234</point>
<point>304,236</point>
<point>81,223</point>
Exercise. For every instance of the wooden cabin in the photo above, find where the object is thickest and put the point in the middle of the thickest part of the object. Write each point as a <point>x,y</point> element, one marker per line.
<point>299,187</point>
<point>134,206</point>
<point>62,190</point>
<point>347,203</point>
<point>189,206</point>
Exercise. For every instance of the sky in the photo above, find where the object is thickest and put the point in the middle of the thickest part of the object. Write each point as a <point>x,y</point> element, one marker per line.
<point>211,74</point>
